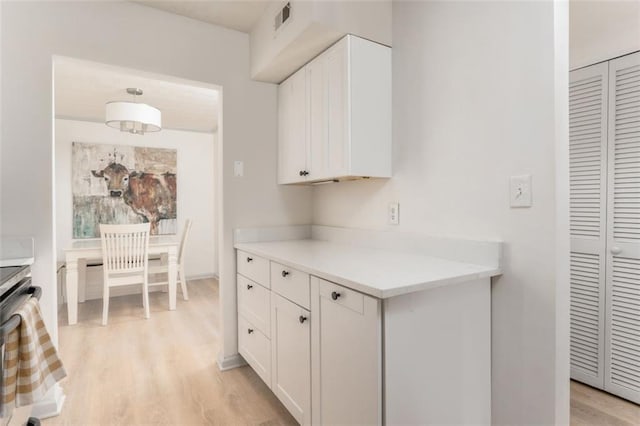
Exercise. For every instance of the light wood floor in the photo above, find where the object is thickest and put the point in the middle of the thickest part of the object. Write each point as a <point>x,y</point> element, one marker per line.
<point>590,406</point>
<point>162,371</point>
<point>157,371</point>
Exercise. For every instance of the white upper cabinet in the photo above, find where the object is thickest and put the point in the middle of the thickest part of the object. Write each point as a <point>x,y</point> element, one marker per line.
<point>335,115</point>
<point>292,128</point>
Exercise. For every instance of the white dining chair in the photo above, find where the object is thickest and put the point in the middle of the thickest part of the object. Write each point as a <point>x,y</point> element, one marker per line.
<point>125,257</point>
<point>163,268</point>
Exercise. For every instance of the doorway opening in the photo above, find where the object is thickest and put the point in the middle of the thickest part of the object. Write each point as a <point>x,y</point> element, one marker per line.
<point>187,148</point>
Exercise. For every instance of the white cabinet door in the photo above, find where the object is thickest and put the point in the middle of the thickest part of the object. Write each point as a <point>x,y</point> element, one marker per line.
<point>337,148</point>
<point>346,356</point>
<point>255,348</point>
<point>622,359</point>
<point>318,123</point>
<point>291,355</point>
<point>588,155</point>
<point>292,129</point>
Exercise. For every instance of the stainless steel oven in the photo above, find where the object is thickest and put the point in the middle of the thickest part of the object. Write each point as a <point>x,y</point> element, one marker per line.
<point>16,257</point>
<point>15,289</point>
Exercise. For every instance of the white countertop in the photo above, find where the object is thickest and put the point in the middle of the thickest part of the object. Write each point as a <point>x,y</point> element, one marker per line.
<point>377,272</point>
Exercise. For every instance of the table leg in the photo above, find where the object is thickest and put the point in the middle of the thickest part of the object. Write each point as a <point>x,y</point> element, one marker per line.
<point>72,291</point>
<point>82,280</point>
<point>173,272</point>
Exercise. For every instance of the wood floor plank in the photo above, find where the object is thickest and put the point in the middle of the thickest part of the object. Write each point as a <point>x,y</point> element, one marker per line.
<point>593,407</point>
<point>160,370</point>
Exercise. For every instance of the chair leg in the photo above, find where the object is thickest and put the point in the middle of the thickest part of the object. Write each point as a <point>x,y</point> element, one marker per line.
<point>183,283</point>
<point>145,297</point>
<point>105,304</point>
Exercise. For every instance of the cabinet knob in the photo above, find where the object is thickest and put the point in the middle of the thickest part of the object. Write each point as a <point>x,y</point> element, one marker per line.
<point>249,259</point>
<point>616,250</point>
<point>302,319</point>
<point>335,295</point>
<point>249,286</point>
<point>250,330</point>
<point>284,274</point>
<point>303,172</point>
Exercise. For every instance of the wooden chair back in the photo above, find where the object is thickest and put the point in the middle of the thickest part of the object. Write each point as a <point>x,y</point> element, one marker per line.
<point>125,248</point>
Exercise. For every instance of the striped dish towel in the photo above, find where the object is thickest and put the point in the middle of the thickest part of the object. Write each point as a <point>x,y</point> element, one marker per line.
<point>31,364</point>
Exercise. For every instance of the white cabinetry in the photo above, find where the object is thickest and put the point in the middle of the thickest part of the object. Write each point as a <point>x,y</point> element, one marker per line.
<point>346,356</point>
<point>335,115</point>
<point>336,355</point>
<point>255,347</point>
<point>254,323</point>
<point>292,128</point>
<point>290,346</point>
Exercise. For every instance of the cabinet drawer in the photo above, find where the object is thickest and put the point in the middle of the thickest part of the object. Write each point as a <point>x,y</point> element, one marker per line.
<point>255,347</point>
<point>291,284</point>
<point>342,295</point>
<point>254,303</point>
<point>253,267</point>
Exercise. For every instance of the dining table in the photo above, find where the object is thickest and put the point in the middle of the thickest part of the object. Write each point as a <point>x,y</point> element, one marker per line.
<point>81,251</point>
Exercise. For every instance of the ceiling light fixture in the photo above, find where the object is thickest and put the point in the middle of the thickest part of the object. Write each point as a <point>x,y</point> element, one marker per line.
<point>133,117</point>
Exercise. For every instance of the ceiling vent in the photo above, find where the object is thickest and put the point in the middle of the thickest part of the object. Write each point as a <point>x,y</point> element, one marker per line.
<point>283,15</point>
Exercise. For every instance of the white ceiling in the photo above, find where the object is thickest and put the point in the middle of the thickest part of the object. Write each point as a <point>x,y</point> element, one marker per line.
<point>238,15</point>
<point>82,89</point>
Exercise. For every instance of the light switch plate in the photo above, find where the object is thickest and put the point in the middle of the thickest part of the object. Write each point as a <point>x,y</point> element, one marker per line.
<point>394,213</point>
<point>238,168</point>
<point>520,191</point>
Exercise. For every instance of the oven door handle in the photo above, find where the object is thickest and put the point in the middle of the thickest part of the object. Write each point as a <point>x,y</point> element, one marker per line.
<point>14,320</point>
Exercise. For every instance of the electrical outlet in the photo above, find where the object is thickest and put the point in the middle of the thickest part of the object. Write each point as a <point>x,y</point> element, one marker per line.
<point>394,213</point>
<point>520,191</point>
<point>238,168</point>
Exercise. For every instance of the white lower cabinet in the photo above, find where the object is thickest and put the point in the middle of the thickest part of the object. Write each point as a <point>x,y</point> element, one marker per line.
<point>319,346</point>
<point>346,354</point>
<point>291,356</point>
<point>255,348</point>
<point>323,364</point>
<point>254,304</point>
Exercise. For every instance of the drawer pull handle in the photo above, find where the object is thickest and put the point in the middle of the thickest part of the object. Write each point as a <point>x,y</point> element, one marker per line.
<point>249,259</point>
<point>303,172</point>
<point>302,319</point>
<point>250,330</point>
<point>249,286</point>
<point>335,295</point>
<point>284,274</point>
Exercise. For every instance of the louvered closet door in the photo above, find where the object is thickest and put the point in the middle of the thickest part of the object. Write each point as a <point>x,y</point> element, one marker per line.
<point>622,375</point>
<point>588,148</point>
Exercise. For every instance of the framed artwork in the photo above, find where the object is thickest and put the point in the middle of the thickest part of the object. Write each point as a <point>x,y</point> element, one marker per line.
<point>123,184</point>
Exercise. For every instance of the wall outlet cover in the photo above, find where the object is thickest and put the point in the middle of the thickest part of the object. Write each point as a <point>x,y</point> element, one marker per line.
<point>394,214</point>
<point>520,191</point>
<point>238,168</point>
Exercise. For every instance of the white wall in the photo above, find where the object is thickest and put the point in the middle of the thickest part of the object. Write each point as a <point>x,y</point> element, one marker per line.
<point>141,38</point>
<point>602,30</point>
<point>195,195</point>
<point>312,27</point>
<point>473,103</point>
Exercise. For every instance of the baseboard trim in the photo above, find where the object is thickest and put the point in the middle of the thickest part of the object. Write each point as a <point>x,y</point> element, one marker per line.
<point>201,277</point>
<point>50,405</point>
<point>230,362</point>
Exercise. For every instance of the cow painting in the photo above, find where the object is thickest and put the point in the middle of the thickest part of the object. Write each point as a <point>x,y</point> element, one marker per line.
<point>151,196</point>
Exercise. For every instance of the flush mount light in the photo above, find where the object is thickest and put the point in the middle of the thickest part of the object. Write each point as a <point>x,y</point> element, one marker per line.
<point>133,117</point>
